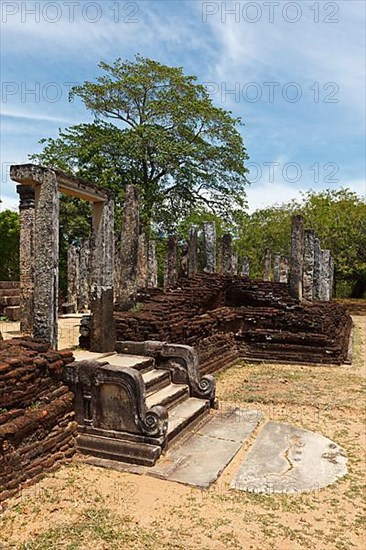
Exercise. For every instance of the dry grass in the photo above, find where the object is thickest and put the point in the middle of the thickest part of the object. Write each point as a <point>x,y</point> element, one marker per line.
<point>83,507</point>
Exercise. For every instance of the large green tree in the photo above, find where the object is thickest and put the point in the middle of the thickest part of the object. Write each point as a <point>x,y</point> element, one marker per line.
<point>155,127</point>
<point>9,246</point>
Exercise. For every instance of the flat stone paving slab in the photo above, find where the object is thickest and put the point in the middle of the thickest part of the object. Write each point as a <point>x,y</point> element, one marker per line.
<point>288,459</point>
<point>200,458</point>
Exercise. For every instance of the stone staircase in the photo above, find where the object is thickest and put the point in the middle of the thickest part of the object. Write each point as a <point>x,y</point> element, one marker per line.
<point>148,402</point>
<point>10,299</point>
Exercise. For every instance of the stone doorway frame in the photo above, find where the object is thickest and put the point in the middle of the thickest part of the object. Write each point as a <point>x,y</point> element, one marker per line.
<point>39,253</point>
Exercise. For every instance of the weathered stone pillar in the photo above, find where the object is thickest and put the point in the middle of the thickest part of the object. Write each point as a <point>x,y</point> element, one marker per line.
<point>331,267</point>
<point>73,277</point>
<point>102,330</point>
<point>267,264</point>
<point>234,263</point>
<point>129,248</point>
<point>84,286</point>
<point>296,258</point>
<point>152,266</point>
<point>26,257</point>
<point>209,240</point>
<point>170,271</point>
<point>284,269</point>
<point>245,270</point>
<point>142,270</point>
<point>192,251</point>
<point>46,256</point>
<point>276,268</point>
<point>308,268</point>
<point>325,275</point>
<point>226,254</point>
<point>316,271</point>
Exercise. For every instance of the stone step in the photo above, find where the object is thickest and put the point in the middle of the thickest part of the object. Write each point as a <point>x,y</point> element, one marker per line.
<point>156,379</point>
<point>138,362</point>
<point>9,301</point>
<point>9,292</point>
<point>187,413</point>
<point>169,396</point>
<point>9,284</point>
<point>12,313</point>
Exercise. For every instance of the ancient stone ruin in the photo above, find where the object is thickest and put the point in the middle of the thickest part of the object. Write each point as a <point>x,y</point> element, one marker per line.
<point>149,379</point>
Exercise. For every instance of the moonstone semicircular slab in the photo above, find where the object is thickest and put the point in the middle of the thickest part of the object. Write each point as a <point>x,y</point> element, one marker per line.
<point>287,459</point>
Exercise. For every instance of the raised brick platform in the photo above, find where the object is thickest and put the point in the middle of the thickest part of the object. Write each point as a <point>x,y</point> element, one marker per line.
<point>227,317</point>
<point>10,299</point>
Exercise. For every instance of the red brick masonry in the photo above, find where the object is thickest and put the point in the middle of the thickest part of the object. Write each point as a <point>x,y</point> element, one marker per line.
<point>37,425</point>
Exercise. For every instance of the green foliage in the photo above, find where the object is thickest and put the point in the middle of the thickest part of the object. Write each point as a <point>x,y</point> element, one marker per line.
<point>167,137</point>
<point>339,219</point>
<point>9,246</point>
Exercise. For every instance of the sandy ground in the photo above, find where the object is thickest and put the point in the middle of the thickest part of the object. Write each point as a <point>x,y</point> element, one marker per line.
<point>68,331</point>
<point>83,507</point>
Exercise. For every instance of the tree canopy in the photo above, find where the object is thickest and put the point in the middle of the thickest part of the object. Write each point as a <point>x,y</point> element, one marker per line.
<point>157,128</point>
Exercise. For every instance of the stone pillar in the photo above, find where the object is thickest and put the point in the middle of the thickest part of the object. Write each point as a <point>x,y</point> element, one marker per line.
<point>331,267</point>
<point>267,265</point>
<point>245,270</point>
<point>73,277</point>
<point>234,263</point>
<point>84,286</point>
<point>308,268</point>
<point>129,248</point>
<point>226,254</point>
<point>192,251</point>
<point>276,268</point>
<point>297,254</point>
<point>142,270</point>
<point>170,271</point>
<point>102,330</point>
<point>209,240</point>
<point>152,266</point>
<point>325,275</point>
<point>284,269</point>
<point>46,257</point>
<point>316,271</point>
<point>26,257</point>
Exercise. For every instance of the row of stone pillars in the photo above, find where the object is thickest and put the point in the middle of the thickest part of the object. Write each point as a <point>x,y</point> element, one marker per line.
<point>39,254</point>
<point>311,268</point>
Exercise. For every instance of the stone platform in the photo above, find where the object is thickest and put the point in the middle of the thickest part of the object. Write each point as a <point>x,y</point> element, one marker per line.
<point>283,459</point>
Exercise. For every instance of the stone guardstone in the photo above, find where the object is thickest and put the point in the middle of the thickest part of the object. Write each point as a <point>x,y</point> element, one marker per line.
<point>291,460</point>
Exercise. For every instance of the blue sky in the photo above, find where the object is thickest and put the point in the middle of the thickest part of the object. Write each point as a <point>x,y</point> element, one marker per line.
<point>293,71</point>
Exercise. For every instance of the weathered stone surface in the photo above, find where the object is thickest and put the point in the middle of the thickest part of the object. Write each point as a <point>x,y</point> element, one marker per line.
<point>102,331</point>
<point>220,439</point>
<point>331,281</point>
<point>325,276</point>
<point>284,269</point>
<point>316,271</point>
<point>83,299</point>
<point>73,277</point>
<point>226,255</point>
<point>245,270</point>
<point>142,259</point>
<point>291,460</point>
<point>129,248</point>
<point>296,258</point>
<point>267,265</point>
<point>170,268</point>
<point>308,270</point>
<point>152,266</point>
<point>46,256</point>
<point>276,268</point>
<point>26,257</point>
<point>234,263</point>
<point>192,251</point>
<point>209,239</point>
